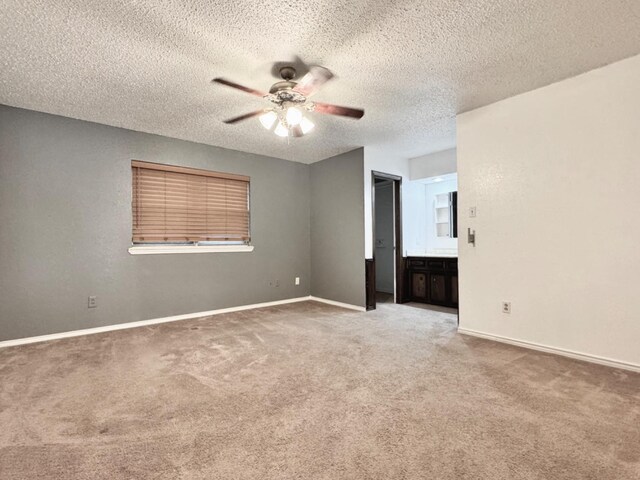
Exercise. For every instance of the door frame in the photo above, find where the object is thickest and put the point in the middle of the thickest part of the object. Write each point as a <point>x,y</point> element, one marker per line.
<point>397,234</point>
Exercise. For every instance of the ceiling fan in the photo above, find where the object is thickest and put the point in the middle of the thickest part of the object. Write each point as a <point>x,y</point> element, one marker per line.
<point>289,100</point>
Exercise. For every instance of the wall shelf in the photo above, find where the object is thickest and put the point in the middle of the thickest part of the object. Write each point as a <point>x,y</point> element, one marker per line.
<point>442,215</point>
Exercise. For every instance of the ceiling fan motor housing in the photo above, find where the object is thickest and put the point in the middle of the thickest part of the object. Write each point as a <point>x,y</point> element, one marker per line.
<point>285,85</point>
<point>287,74</point>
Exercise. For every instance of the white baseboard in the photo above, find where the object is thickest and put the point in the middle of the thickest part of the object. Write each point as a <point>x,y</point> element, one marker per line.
<point>338,304</point>
<point>558,351</point>
<point>144,323</point>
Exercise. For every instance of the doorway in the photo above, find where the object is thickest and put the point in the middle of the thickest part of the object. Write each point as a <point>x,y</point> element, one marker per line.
<point>386,272</point>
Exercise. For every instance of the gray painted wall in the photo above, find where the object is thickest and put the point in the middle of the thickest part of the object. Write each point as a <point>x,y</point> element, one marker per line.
<point>337,228</point>
<point>65,226</point>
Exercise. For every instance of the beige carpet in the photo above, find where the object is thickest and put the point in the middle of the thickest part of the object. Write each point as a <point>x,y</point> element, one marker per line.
<point>384,297</point>
<point>308,391</point>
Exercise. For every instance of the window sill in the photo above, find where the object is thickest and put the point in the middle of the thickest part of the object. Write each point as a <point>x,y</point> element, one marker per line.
<point>161,249</point>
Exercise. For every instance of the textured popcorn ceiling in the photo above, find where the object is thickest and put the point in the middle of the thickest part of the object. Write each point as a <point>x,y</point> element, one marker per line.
<point>412,65</point>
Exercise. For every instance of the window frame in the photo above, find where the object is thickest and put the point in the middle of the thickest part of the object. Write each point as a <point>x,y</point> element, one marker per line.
<point>205,246</point>
<point>159,249</point>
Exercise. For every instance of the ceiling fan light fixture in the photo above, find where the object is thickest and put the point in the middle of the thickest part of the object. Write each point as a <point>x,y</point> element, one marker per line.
<point>306,125</point>
<point>268,119</point>
<point>281,130</point>
<point>294,116</point>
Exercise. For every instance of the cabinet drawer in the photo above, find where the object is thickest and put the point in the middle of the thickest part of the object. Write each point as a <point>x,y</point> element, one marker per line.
<point>435,264</point>
<point>416,263</point>
<point>432,263</point>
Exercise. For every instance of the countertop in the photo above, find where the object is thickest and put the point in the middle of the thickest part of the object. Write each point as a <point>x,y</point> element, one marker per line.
<point>433,254</point>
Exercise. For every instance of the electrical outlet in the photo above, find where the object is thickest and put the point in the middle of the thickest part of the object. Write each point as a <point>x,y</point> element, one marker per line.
<point>297,280</point>
<point>506,307</point>
<point>93,301</point>
<point>277,283</point>
<point>472,212</point>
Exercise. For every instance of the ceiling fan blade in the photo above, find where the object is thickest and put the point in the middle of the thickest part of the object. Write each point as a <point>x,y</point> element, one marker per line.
<point>329,109</point>
<point>243,117</point>
<point>251,91</point>
<point>313,80</point>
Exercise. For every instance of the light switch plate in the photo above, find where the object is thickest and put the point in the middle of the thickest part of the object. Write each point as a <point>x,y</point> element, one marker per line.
<point>472,212</point>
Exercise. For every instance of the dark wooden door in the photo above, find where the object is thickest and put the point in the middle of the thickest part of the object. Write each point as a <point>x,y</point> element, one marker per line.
<point>370,283</point>
<point>454,289</point>
<point>437,288</point>
<point>419,286</point>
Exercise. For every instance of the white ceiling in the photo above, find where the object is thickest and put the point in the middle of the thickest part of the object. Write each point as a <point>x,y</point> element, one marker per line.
<point>412,65</point>
<point>440,178</point>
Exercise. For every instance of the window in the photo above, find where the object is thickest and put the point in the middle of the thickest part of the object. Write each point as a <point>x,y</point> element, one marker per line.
<point>178,209</point>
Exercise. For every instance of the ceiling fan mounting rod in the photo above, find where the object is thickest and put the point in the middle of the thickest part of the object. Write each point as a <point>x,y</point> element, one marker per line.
<point>288,73</point>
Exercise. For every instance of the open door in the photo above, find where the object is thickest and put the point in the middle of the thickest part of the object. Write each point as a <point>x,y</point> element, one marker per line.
<point>385,271</point>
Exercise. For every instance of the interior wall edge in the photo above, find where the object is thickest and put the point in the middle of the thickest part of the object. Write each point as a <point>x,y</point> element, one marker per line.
<point>145,323</point>
<point>337,228</point>
<point>585,357</point>
<point>348,306</point>
<point>175,318</point>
